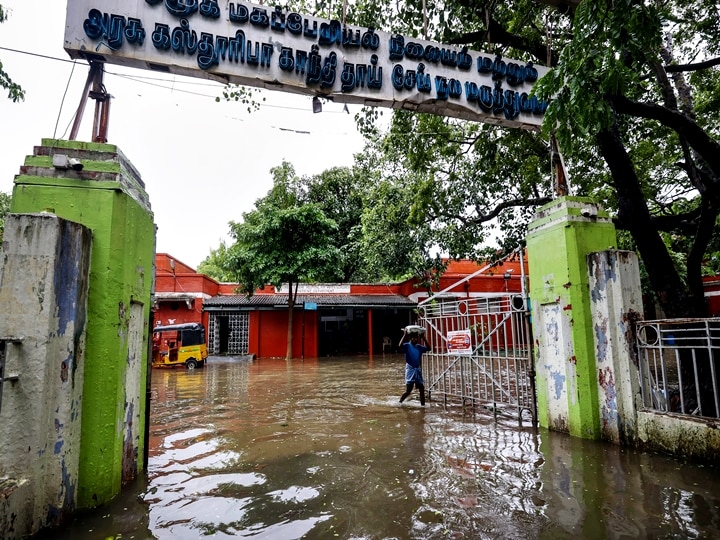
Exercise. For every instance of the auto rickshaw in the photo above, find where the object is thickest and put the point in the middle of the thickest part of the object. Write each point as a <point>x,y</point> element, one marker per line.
<point>179,345</point>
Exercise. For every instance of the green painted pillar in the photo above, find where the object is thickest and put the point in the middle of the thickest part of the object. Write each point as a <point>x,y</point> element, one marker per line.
<point>559,239</point>
<point>104,192</point>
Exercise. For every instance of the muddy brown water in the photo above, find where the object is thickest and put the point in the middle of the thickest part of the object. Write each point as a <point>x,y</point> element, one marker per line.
<point>321,448</point>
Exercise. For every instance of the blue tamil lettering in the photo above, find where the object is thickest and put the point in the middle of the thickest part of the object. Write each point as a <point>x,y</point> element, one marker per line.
<point>238,13</point>
<point>330,33</point>
<point>327,75</point>
<point>210,9</point>
<point>252,57</point>
<point>181,8</point>
<point>374,79</point>
<point>161,36</point>
<point>294,23</point>
<point>301,59</point>
<point>236,47</point>
<point>314,66</point>
<point>99,26</point>
<point>277,20</point>
<point>397,47</point>
<point>370,40</point>
<point>441,87</point>
<point>206,52</point>
<point>347,77</point>
<point>259,17</point>
<point>183,39</point>
<point>423,79</point>
<point>350,38</point>
<point>286,61</point>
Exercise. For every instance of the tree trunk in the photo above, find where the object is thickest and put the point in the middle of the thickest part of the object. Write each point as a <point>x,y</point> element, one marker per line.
<point>674,297</point>
<point>634,215</point>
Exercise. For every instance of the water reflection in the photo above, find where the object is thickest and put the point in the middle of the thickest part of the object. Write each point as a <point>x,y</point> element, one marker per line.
<point>322,449</point>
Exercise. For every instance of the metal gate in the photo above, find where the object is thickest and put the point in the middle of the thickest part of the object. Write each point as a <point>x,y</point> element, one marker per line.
<point>481,352</point>
<point>229,333</point>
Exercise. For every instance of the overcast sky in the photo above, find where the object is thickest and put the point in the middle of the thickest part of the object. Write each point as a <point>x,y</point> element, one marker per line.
<point>203,163</point>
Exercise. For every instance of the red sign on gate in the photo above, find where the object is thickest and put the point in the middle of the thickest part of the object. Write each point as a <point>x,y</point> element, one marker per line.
<point>459,342</point>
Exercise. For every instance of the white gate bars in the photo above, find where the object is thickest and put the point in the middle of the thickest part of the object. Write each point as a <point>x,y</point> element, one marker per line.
<point>481,351</point>
<point>679,361</point>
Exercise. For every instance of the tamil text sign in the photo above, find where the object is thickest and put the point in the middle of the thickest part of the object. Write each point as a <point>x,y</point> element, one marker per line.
<point>269,47</point>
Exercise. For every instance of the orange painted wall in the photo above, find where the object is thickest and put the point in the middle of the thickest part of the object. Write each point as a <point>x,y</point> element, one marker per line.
<point>268,329</point>
<point>254,330</point>
<point>273,328</point>
<point>181,279</point>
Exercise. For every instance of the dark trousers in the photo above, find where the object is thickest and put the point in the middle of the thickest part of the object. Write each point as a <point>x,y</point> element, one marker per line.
<point>408,388</point>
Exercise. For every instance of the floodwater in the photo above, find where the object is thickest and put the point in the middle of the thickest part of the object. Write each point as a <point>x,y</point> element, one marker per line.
<point>321,449</point>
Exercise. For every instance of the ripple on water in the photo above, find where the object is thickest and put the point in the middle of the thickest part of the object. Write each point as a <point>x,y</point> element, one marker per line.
<point>320,449</point>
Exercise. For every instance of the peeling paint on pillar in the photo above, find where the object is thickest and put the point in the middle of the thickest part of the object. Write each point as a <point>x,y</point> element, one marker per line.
<point>558,241</point>
<point>40,421</point>
<point>616,300</point>
<point>608,411</point>
<point>108,196</point>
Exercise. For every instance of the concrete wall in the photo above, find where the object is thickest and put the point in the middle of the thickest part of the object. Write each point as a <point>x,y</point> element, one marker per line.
<point>44,271</point>
<point>563,233</point>
<point>616,302</point>
<point>108,196</point>
<point>685,437</point>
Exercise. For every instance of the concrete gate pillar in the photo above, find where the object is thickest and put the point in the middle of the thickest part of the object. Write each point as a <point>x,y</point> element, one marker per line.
<point>95,185</point>
<point>44,273</point>
<point>559,239</point>
<point>616,303</point>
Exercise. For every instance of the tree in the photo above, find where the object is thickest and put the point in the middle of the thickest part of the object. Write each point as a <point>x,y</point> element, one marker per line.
<point>216,265</point>
<point>282,241</point>
<point>339,193</point>
<point>635,93</point>
<point>396,239</point>
<point>618,86</point>
<point>15,91</point>
<point>4,209</point>
<point>376,236</point>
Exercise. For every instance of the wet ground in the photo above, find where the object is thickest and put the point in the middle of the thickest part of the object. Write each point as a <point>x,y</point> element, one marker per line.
<point>321,449</point>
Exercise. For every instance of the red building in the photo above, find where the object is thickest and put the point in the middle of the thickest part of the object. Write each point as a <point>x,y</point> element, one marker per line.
<point>328,319</point>
<point>180,292</point>
<point>712,295</point>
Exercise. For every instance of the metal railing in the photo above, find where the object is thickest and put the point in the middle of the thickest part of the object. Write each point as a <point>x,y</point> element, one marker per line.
<point>679,365</point>
<point>493,365</point>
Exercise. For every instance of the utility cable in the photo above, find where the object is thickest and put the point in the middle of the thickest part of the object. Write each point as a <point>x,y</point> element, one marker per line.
<point>144,80</point>
<point>62,102</point>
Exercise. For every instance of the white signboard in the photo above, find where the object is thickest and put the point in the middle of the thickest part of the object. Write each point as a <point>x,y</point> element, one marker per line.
<point>317,288</point>
<point>270,47</point>
<point>459,342</point>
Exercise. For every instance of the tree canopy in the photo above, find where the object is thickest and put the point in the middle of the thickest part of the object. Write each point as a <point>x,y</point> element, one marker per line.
<point>634,91</point>
<point>4,209</point>
<point>15,91</point>
<point>283,241</point>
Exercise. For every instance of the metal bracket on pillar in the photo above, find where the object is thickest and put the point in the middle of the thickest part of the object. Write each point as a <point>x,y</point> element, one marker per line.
<point>14,377</point>
<point>558,168</point>
<point>101,119</point>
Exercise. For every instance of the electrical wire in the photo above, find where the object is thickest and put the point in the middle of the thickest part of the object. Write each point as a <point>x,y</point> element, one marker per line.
<point>62,102</point>
<point>144,80</point>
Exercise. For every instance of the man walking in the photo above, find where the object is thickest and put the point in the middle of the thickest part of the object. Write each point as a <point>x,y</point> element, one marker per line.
<point>413,350</point>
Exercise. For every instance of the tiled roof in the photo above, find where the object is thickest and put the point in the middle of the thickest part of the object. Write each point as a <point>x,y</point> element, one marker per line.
<point>322,300</point>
